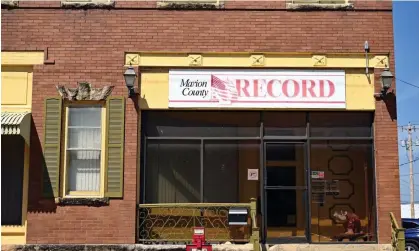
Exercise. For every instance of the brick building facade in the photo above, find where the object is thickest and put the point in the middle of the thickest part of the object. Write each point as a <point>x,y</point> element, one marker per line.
<point>92,44</point>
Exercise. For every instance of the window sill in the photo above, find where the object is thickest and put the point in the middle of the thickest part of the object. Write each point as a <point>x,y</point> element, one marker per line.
<point>86,4</point>
<point>314,6</point>
<point>189,5</point>
<point>91,202</point>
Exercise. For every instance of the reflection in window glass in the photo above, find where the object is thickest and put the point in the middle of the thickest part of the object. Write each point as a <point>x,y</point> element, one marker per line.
<point>282,209</point>
<point>173,171</point>
<point>226,165</point>
<point>202,124</point>
<point>340,124</point>
<point>342,191</point>
<point>284,123</point>
<point>280,152</point>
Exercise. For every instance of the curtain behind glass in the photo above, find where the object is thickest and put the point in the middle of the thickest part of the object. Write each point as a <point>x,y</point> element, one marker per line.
<point>84,148</point>
<point>173,170</point>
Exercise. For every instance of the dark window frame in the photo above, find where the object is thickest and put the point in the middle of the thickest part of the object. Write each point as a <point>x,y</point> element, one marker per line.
<point>262,138</point>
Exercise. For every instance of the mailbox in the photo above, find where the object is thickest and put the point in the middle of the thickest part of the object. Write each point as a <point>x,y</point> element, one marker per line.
<point>198,241</point>
<point>237,217</point>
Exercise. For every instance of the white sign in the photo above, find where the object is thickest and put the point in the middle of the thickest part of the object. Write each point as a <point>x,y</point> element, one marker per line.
<point>252,174</point>
<point>257,88</point>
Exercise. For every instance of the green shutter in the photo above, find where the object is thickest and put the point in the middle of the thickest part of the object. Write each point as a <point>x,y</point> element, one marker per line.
<point>115,128</point>
<point>52,141</point>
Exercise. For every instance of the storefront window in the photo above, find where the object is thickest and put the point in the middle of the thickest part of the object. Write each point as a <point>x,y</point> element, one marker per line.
<point>284,123</point>
<point>202,124</point>
<point>225,171</point>
<point>195,157</point>
<point>340,124</point>
<point>342,188</point>
<point>173,171</point>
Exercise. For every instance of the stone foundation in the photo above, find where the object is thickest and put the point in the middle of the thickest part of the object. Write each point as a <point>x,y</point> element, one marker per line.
<point>221,247</point>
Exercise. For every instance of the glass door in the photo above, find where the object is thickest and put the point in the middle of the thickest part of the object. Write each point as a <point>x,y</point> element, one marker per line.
<point>285,192</point>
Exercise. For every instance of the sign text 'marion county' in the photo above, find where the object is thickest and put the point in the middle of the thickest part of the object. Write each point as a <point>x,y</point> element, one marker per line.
<point>194,88</point>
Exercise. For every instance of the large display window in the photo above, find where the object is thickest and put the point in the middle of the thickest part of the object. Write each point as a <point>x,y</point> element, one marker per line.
<point>315,169</point>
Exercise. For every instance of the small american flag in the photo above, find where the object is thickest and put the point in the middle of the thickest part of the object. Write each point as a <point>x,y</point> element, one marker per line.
<point>223,91</point>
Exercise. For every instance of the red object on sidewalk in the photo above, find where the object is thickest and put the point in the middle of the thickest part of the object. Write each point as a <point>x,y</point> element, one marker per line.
<point>198,241</point>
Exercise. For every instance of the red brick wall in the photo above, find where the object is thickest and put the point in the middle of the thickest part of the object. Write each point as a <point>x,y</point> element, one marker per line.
<point>89,45</point>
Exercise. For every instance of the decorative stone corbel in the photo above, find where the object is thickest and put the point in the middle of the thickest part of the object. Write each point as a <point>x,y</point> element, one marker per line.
<point>84,91</point>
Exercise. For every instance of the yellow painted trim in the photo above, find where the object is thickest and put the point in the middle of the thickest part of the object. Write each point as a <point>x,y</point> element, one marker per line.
<point>13,230</point>
<point>64,177</point>
<point>270,59</point>
<point>29,90</point>
<point>103,155</point>
<point>82,194</point>
<point>13,235</point>
<point>359,90</point>
<point>22,58</point>
<point>155,91</point>
<point>29,72</point>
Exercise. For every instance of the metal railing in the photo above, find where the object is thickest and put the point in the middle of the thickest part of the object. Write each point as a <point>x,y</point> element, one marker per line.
<point>397,235</point>
<point>173,223</point>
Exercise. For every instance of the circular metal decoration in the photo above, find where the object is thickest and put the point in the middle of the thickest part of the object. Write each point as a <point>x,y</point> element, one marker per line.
<point>340,165</point>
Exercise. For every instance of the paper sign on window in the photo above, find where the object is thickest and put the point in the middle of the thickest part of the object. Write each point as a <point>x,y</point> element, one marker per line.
<point>252,174</point>
<point>317,174</point>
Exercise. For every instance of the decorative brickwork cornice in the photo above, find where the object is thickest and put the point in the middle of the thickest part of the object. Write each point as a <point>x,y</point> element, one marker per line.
<point>84,91</point>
